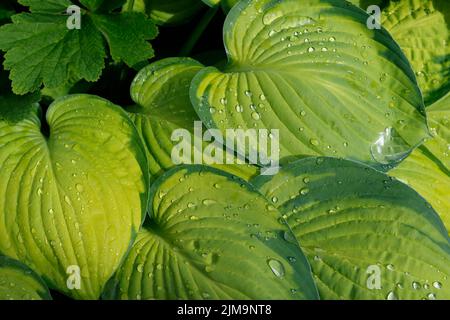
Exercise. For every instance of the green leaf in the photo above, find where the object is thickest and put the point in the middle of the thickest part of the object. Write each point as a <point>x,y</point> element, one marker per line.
<point>18,282</point>
<point>15,108</point>
<point>76,197</point>
<point>168,12</point>
<point>41,50</point>
<point>212,236</point>
<point>423,35</point>
<point>161,92</point>
<point>427,169</point>
<point>313,70</point>
<point>125,42</point>
<point>355,223</point>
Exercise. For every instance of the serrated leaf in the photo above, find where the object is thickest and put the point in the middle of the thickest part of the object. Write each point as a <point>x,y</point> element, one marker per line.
<point>423,35</point>
<point>212,236</point>
<point>76,197</point>
<point>355,223</point>
<point>42,50</point>
<point>116,30</point>
<point>313,70</point>
<point>18,282</point>
<point>161,92</point>
<point>427,169</point>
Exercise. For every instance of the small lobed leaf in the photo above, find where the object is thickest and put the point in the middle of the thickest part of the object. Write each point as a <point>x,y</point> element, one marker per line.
<point>212,236</point>
<point>42,50</point>
<point>365,234</point>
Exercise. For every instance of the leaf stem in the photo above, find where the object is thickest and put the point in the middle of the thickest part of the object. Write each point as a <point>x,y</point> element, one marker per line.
<point>199,29</point>
<point>130,5</point>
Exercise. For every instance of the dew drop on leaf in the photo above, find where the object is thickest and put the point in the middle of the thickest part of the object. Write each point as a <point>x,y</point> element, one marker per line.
<point>276,267</point>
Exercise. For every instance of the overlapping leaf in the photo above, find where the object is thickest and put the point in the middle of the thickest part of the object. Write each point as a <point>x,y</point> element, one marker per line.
<point>74,198</point>
<point>422,33</point>
<point>366,235</point>
<point>18,282</point>
<point>427,169</point>
<point>212,236</point>
<point>313,70</point>
<point>161,91</point>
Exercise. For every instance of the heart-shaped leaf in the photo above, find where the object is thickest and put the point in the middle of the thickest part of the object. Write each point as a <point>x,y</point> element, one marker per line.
<point>423,35</point>
<point>73,199</point>
<point>427,169</point>
<point>167,12</point>
<point>366,235</point>
<point>161,91</point>
<point>18,282</point>
<point>212,236</point>
<point>313,70</point>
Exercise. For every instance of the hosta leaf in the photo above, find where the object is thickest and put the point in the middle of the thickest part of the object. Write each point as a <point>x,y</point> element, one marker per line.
<point>18,282</point>
<point>313,70</point>
<point>168,12</point>
<point>74,198</point>
<point>423,35</point>
<point>427,169</point>
<point>161,91</point>
<point>212,236</point>
<point>352,221</point>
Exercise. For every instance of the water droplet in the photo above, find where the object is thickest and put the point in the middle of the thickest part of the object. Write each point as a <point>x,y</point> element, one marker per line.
<point>314,142</point>
<point>140,267</point>
<point>40,192</point>
<point>292,259</point>
<point>437,285</point>
<point>248,93</point>
<point>389,147</point>
<point>304,191</point>
<point>289,237</point>
<point>256,116</point>
<point>306,180</point>
<point>332,39</point>
<point>416,285</point>
<point>239,108</point>
<point>193,218</point>
<point>208,202</point>
<point>311,49</point>
<point>51,211</point>
<point>274,199</point>
<point>223,101</point>
<point>324,49</point>
<point>390,267</point>
<point>303,113</point>
<point>391,296</point>
<point>67,200</point>
<point>276,267</point>
<point>79,187</point>
<point>431,296</point>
